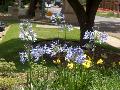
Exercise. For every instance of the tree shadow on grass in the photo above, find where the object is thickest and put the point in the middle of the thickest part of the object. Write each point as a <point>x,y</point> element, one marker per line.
<point>9,50</point>
<point>10,21</point>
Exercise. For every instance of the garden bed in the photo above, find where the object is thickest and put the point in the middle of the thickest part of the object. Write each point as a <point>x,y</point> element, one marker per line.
<point>108,53</point>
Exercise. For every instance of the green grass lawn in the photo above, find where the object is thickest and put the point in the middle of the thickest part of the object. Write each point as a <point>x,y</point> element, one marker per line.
<point>108,14</point>
<point>43,33</point>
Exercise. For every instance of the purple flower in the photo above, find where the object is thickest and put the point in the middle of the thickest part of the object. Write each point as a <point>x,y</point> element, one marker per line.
<point>69,55</point>
<point>26,32</point>
<point>89,35</point>
<point>80,58</point>
<point>23,57</point>
<point>37,52</point>
<point>48,50</point>
<point>57,18</point>
<point>78,51</point>
<point>75,54</point>
<point>69,27</point>
<point>86,36</point>
<point>103,37</point>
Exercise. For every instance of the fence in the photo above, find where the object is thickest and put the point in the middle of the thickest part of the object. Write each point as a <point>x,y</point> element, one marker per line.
<point>113,5</point>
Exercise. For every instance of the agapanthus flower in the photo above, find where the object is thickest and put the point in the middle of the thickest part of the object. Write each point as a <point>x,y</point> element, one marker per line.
<point>86,36</point>
<point>89,35</point>
<point>46,49</point>
<point>21,25</point>
<point>69,55</point>
<point>80,58</point>
<point>69,27</point>
<point>57,18</point>
<point>78,51</point>
<point>55,48</point>
<point>53,19</point>
<point>64,48</point>
<point>75,54</point>
<point>26,32</point>
<point>37,52</point>
<point>103,37</point>
<point>100,61</point>
<point>23,57</point>
<point>22,35</point>
<point>32,35</point>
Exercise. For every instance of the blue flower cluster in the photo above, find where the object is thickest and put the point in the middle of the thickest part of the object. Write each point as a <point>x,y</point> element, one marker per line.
<point>59,19</point>
<point>89,35</point>
<point>26,32</point>
<point>23,57</point>
<point>103,37</point>
<point>100,37</point>
<point>75,54</point>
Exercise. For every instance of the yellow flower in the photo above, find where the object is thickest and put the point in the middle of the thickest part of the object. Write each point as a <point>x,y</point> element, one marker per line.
<point>119,63</point>
<point>57,61</point>
<point>89,58</point>
<point>100,61</point>
<point>87,64</point>
<point>70,65</point>
<point>54,62</point>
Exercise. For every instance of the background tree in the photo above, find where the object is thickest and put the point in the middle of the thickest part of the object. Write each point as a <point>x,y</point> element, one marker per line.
<point>85,16</point>
<point>4,5</point>
<point>32,7</point>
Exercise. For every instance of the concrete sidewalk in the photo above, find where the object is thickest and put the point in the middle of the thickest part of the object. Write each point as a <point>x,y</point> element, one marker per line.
<point>115,42</point>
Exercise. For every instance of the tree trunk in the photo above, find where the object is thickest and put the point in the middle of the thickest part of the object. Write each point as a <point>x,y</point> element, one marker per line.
<point>85,17</point>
